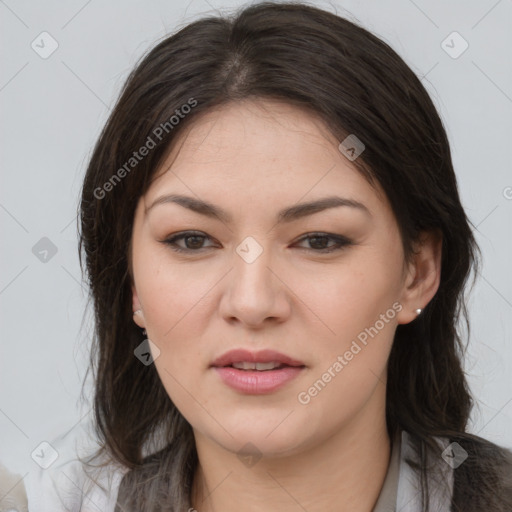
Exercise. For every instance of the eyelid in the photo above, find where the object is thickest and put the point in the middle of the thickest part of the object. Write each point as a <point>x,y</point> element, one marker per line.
<point>341,241</point>
<point>171,241</point>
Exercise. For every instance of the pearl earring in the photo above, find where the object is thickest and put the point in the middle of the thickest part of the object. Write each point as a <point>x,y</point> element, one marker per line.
<point>418,311</point>
<point>138,312</point>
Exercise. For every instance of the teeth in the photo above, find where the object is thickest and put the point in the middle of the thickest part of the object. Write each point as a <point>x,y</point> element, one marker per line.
<point>245,365</point>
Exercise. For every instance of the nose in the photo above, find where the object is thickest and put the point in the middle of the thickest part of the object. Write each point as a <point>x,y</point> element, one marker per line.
<point>255,293</point>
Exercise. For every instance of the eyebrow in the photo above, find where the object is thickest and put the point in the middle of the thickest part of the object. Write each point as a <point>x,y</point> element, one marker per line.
<point>289,214</point>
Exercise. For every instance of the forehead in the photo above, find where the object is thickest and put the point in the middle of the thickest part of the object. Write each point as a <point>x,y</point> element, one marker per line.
<point>252,127</point>
<point>259,150</point>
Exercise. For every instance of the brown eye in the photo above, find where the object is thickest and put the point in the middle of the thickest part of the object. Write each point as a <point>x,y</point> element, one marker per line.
<point>319,242</point>
<point>193,241</point>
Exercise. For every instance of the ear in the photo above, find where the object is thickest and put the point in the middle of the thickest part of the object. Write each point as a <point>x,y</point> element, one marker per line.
<point>138,314</point>
<point>422,275</point>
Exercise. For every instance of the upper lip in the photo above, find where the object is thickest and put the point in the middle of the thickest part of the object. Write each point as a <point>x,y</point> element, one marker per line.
<point>261,356</point>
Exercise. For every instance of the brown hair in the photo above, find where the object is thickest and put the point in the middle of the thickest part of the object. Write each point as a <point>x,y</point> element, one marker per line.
<point>357,84</point>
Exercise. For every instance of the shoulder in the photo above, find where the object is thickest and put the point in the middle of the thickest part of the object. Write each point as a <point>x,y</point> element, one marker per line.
<point>73,482</point>
<point>477,472</point>
<point>12,491</point>
<point>484,476</point>
<point>481,454</point>
<point>163,477</point>
<point>146,483</point>
<point>71,485</point>
<point>470,454</point>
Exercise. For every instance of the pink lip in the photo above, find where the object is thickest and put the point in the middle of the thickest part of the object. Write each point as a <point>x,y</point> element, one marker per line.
<point>263,356</point>
<point>256,382</point>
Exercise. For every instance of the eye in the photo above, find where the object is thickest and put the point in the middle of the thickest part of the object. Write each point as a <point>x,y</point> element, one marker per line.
<point>318,242</point>
<point>193,241</point>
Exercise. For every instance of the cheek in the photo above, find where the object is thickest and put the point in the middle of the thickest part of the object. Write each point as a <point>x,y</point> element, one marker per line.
<point>171,293</point>
<point>351,297</point>
<point>358,308</point>
<point>176,311</point>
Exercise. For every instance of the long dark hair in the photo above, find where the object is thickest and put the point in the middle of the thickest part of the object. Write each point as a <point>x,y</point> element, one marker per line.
<point>357,84</point>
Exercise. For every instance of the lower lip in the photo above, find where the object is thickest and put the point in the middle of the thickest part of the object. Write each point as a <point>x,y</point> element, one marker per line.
<point>256,382</point>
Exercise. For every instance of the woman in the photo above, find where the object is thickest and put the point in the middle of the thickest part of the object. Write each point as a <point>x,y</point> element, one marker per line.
<point>277,255</point>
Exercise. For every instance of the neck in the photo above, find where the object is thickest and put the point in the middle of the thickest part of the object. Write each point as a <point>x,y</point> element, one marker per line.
<point>345,472</point>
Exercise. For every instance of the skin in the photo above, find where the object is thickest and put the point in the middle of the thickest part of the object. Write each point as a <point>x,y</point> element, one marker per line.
<point>252,159</point>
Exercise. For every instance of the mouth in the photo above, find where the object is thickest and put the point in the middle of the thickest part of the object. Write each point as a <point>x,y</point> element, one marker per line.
<point>256,372</point>
<point>261,367</point>
<point>262,360</point>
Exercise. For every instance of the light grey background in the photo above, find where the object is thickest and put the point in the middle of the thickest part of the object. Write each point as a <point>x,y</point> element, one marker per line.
<point>52,111</point>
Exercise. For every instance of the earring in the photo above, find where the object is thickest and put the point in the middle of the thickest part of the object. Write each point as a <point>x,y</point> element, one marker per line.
<point>418,311</point>
<point>139,312</point>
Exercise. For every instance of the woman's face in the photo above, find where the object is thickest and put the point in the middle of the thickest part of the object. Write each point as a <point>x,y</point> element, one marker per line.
<point>323,288</point>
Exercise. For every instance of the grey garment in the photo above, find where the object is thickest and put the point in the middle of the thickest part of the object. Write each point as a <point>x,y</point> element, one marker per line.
<point>401,488</point>
<point>388,494</point>
<point>440,479</point>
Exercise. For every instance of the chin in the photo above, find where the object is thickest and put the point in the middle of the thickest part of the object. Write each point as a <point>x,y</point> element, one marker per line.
<point>266,434</point>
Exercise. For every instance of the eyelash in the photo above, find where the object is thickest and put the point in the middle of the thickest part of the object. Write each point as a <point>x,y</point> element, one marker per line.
<point>341,241</point>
